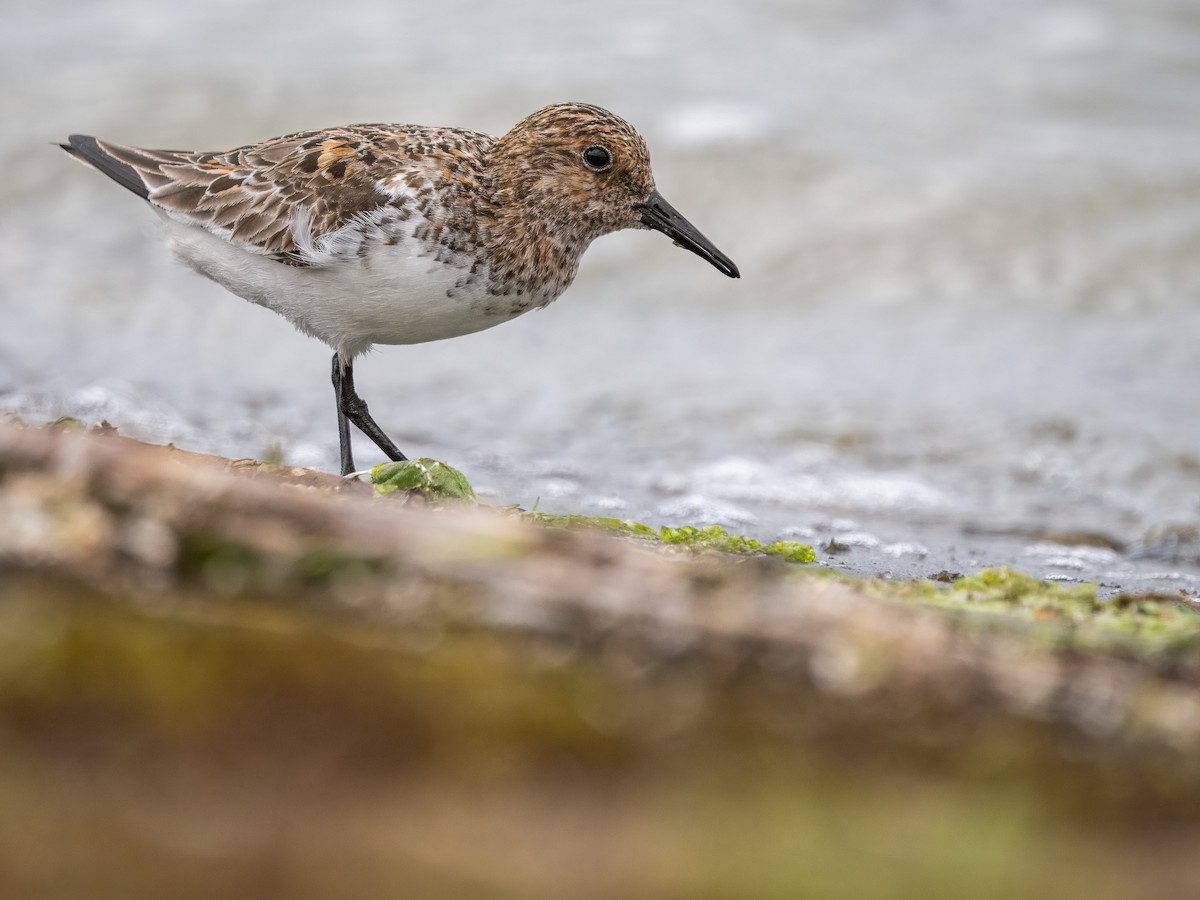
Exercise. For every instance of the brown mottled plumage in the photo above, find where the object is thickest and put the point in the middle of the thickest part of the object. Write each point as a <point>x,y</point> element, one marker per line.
<point>398,234</point>
<point>247,194</point>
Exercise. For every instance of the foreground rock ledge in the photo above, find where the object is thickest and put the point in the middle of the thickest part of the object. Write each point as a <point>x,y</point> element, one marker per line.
<point>227,679</point>
<point>128,519</point>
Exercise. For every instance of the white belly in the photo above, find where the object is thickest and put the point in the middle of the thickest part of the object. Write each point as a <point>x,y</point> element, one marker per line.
<point>389,296</point>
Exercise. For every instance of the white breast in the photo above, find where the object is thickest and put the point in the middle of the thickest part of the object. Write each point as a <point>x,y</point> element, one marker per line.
<point>388,294</point>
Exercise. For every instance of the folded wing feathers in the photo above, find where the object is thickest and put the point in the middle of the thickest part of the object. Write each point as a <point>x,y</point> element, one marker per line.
<point>249,195</point>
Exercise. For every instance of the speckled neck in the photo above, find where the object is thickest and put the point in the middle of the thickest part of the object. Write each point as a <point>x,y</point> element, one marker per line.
<point>534,242</point>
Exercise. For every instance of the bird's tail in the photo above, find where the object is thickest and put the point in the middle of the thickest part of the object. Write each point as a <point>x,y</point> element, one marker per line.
<point>111,159</point>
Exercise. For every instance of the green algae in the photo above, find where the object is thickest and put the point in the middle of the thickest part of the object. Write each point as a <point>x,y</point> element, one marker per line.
<point>67,423</point>
<point>599,523</point>
<point>717,538</point>
<point>1011,587</point>
<point>1156,620</point>
<point>441,483</point>
<point>707,537</point>
<point>432,478</point>
<point>1149,626</point>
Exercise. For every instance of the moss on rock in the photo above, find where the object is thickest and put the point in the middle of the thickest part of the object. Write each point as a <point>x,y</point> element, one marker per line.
<point>431,478</point>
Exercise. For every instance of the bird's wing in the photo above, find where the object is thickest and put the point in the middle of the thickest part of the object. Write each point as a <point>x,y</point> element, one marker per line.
<point>261,195</point>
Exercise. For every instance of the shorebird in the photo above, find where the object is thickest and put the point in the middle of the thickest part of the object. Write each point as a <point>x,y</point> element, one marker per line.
<point>401,234</point>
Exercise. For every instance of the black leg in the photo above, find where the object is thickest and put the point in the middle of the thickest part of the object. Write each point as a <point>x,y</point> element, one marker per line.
<point>343,422</point>
<point>353,408</point>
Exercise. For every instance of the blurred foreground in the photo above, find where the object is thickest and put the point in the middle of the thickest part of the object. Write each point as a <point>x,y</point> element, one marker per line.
<point>235,680</point>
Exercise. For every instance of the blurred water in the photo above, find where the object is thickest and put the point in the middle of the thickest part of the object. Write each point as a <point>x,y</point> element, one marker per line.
<point>970,307</point>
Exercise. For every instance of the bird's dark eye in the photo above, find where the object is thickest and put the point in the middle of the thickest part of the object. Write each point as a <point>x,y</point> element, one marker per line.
<point>597,159</point>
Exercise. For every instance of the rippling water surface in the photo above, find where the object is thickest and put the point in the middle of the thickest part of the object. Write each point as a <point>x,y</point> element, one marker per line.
<point>967,332</point>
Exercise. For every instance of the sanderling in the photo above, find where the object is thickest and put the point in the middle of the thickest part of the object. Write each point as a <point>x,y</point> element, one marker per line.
<point>400,234</point>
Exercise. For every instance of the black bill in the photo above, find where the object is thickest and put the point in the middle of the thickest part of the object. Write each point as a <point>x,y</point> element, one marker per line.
<point>660,215</point>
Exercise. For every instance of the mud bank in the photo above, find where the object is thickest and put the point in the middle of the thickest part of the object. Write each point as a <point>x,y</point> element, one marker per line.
<point>225,678</point>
